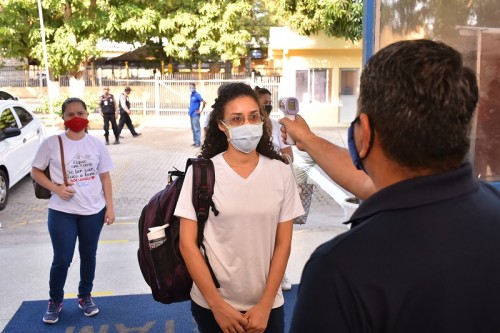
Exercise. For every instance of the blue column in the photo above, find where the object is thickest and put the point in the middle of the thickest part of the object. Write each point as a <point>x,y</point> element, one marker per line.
<point>368,28</point>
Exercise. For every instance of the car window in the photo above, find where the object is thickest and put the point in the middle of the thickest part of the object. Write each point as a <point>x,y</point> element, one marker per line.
<point>5,96</point>
<point>24,116</point>
<point>7,120</point>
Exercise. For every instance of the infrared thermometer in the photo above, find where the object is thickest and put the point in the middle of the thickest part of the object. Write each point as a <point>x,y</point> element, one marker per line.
<point>290,107</point>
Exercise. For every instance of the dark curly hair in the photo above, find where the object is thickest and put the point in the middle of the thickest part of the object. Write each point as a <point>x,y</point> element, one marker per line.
<point>216,141</point>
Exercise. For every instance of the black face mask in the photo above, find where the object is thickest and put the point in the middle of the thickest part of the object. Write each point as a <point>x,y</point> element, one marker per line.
<point>268,108</point>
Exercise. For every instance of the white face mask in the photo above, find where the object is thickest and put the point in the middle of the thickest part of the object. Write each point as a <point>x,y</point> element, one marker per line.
<point>245,138</point>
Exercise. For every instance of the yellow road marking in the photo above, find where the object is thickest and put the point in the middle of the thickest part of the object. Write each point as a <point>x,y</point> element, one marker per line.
<point>94,294</point>
<point>113,241</point>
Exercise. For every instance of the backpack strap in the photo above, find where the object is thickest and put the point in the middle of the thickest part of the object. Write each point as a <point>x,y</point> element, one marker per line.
<point>203,189</point>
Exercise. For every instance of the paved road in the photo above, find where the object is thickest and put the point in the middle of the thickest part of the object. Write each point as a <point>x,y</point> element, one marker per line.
<point>141,170</point>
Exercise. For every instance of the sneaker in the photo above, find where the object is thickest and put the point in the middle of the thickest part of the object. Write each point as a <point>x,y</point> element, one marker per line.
<point>117,142</point>
<point>136,135</point>
<point>285,284</point>
<point>51,316</point>
<point>88,306</point>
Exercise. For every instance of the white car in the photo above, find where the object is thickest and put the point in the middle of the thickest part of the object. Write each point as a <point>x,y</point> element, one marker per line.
<point>21,132</point>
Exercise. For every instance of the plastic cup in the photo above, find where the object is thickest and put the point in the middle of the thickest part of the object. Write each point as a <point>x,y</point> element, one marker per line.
<point>157,232</point>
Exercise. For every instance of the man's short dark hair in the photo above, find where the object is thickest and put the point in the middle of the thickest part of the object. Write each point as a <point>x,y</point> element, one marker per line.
<point>420,100</point>
<point>128,89</point>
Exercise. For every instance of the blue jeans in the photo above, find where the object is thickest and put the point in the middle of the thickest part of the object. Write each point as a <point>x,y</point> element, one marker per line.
<point>207,324</point>
<point>195,127</point>
<point>64,229</point>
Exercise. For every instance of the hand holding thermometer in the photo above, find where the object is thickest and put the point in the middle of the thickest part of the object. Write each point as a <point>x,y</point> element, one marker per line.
<point>290,107</point>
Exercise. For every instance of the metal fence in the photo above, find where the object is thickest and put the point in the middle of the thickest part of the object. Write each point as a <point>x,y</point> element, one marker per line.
<point>166,95</point>
<point>170,97</point>
<point>34,76</point>
<point>11,77</point>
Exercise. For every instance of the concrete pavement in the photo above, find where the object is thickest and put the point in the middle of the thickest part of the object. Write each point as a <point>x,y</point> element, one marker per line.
<point>141,170</point>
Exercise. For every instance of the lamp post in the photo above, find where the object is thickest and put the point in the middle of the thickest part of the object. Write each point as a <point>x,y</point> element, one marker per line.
<point>45,59</point>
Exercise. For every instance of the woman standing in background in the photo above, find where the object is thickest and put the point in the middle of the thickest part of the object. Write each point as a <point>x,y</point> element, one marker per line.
<point>78,209</point>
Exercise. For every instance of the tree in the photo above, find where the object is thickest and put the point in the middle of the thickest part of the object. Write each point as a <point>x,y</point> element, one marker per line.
<point>337,18</point>
<point>71,32</point>
<point>192,31</point>
<point>188,29</point>
<point>72,29</point>
<point>214,29</point>
<point>15,32</point>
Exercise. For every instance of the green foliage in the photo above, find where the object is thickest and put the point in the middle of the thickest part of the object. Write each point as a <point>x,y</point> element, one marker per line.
<point>187,29</point>
<point>17,20</point>
<point>337,18</point>
<point>7,120</point>
<point>210,30</point>
<point>71,32</point>
<point>54,105</point>
<point>191,30</point>
<point>92,101</point>
<point>344,19</point>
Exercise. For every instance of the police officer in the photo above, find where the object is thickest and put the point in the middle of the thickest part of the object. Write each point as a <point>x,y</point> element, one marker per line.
<point>125,111</point>
<point>108,112</point>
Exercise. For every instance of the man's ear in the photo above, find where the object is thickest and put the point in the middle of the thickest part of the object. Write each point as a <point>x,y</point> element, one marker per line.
<point>365,135</point>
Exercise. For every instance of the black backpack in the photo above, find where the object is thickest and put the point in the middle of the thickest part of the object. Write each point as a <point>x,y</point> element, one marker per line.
<point>162,267</point>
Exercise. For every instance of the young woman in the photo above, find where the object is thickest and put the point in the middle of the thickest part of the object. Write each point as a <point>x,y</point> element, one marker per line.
<point>77,210</point>
<point>265,102</point>
<point>248,243</point>
<point>282,148</point>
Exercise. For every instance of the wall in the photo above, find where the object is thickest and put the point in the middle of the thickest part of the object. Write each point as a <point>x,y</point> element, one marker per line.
<point>293,52</point>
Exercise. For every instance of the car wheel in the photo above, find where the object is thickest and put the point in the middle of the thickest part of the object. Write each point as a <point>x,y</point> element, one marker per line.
<point>4,189</point>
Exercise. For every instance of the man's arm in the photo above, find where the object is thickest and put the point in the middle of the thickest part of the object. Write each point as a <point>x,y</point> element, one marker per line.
<point>202,104</point>
<point>334,160</point>
<point>116,106</point>
<point>101,104</point>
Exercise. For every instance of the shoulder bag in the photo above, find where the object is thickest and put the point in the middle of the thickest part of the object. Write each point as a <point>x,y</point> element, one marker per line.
<point>40,191</point>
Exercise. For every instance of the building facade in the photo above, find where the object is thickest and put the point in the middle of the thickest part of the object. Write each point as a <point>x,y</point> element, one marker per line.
<point>321,71</point>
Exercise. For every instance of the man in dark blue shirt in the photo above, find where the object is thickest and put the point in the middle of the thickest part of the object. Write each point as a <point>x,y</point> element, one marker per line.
<point>194,113</point>
<point>422,254</point>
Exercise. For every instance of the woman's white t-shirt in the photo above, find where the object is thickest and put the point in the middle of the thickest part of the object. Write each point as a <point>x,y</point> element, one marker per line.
<point>85,160</point>
<point>240,240</point>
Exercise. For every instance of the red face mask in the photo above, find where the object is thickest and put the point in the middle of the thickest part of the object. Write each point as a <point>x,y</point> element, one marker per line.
<point>76,124</point>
